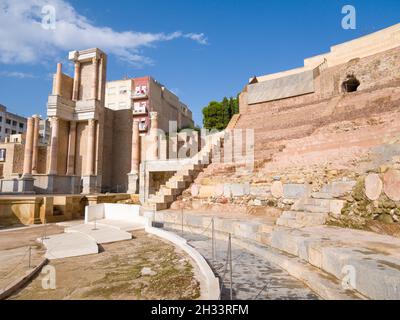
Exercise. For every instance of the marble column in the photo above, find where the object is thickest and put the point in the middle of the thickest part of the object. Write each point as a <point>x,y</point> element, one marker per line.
<point>154,135</point>
<point>71,149</point>
<point>77,81</point>
<point>55,124</point>
<point>36,121</point>
<point>91,147</point>
<point>95,62</point>
<point>58,85</point>
<point>133,176</point>
<point>27,172</point>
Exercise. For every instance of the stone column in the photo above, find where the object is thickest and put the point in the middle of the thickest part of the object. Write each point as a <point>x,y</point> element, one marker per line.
<point>28,149</point>
<point>154,135</point>
<point>71,149</point>
<point>77,81</point>
<point>58,83</point>
<point>36,120</point>
<point>95,62</point>
<point>91,147</point>
<point>133,176</point>
<point>55,123</point>
<point>101,78</point>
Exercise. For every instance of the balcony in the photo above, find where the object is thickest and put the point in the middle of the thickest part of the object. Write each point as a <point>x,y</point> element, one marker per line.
<point>140,93</point>
<point>139,108</point>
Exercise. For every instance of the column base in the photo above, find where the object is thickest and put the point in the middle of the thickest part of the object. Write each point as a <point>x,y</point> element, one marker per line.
<point>25,185</point>
<point>133,183</point>
<point>89,184</point>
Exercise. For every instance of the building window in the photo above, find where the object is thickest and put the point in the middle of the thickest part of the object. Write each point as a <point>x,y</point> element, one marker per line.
<point>14,123</point>
<point>351,84</point>
<point>8,121</point>
<point>21,125</point>
<point>2,155</point>
<point>123,90</point>
<point>0,128</point>
<point>7,131</point>
<point>1,118</point>
<point>13,132</point>
<point>140,90</point>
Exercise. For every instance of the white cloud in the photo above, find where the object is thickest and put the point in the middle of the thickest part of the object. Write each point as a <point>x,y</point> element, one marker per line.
<point>24,40</point>
<point>16,74</point>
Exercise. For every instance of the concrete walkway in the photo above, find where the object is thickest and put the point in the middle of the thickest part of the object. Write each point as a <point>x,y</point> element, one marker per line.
<point>253,277</point>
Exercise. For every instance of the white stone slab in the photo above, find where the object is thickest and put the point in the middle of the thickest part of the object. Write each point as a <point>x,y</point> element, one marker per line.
<point>67,245</point>
<point>100,233</point>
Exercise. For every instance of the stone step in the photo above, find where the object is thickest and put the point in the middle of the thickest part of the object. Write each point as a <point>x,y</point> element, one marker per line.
<point>181,177</point>
<point>169,191</point>
<point>315,208</point>
<point>322,195</point>
<point>155,206</point>
<point>180,185</point>
<point>161,199</point>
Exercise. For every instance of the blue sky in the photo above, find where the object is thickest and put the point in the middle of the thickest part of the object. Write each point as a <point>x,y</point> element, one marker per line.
<point>202,50</point>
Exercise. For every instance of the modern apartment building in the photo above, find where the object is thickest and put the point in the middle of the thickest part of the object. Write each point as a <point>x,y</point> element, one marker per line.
<point>145,95</point>
<point>10,123</point>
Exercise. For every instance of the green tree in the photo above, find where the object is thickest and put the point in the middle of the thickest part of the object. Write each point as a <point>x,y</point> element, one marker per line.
<point>218,114</point>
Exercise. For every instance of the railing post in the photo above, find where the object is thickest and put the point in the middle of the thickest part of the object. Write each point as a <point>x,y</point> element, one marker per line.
<point>230,265</point>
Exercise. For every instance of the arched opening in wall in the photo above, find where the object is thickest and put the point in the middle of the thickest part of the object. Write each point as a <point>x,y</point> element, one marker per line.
<point>351,84</point>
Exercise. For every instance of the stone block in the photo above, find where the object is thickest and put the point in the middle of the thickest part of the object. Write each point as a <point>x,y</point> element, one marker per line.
<point>277,189</point>
<point>391,184</point>
<point>206,191</point>
<point>373,186</point>
<point>295,191</point>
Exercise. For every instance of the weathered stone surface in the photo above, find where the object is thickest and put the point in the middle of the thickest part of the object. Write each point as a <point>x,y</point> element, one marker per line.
<point>260,190</point>
<point>219,190</point>
<point>195,190</point>
<point>207,191</point>
<point>391,184</point>
<point>339,188</point>
<point>294,191</point>
<point>277,189</point>
<point>236,190</point>
<point>373,186</point>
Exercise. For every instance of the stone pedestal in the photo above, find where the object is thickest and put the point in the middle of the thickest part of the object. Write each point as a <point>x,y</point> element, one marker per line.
<point>89,184</point>
<point>25,185</point>
<point>133,183</point>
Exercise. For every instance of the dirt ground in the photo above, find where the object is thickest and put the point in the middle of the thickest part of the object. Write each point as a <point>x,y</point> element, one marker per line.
<point>142,268</point>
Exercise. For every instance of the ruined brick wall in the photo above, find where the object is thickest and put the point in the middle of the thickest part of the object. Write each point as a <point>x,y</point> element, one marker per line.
<point>376,71</point>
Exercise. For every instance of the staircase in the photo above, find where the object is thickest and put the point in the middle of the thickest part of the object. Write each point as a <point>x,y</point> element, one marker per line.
<point>182,179</point>
<point>314,210</point>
